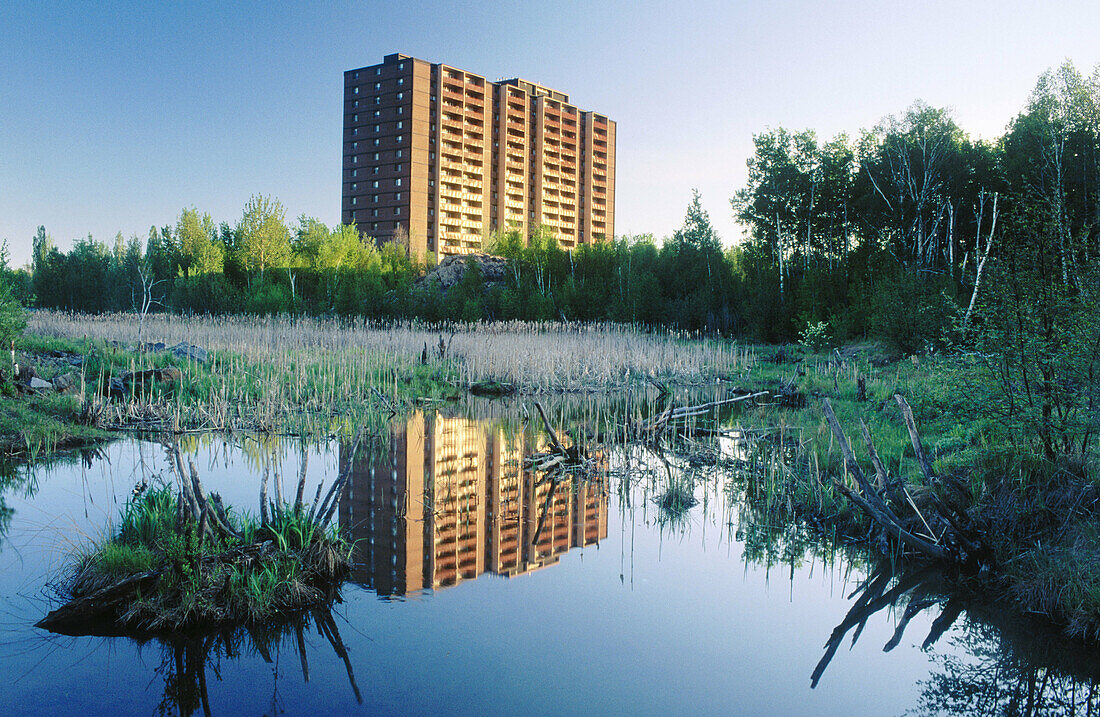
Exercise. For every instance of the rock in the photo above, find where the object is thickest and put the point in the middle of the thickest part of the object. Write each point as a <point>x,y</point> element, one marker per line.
<point>492,388</point>
<point>153,348</point>
<point>38,384</point>
<point>66,383</point>
<point>453,268</point>
<point>151,376</point>
<point>191,352</point>
<point>116,388</point>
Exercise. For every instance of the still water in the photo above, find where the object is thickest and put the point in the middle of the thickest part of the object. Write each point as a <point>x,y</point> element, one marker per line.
<point>480,589</point>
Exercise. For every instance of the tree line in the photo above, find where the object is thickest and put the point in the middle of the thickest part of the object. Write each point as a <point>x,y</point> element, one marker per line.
<point>895,234</point>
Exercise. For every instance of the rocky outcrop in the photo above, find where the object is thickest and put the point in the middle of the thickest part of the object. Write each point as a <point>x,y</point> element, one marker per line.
<point>453,268</point>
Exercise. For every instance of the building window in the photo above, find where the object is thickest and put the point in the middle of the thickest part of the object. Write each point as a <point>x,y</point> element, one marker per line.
<point>355,76</point>
<point>400,124</point>
<point>400,95</point>
<point>377,85</point>
<point>400,80</point>
<point>397,211</point>
<point>355,103</point>
<point>374,226</point>
<point>374,170</point>
<point>397,182</point>
<point>374,212</point>
<point>398,154</point>
<point>377,128</point>
<point>378,113</point>
<point>377,142</point>
<point>355,132</point>
<point>355,172</point>
<point>400,65</point>
<point>378,71</point>
<point>355,118</point>
<point>400,110</point>
<point>355,200</point>
<point>397,196</point>
<point>353,215</point>
<point>355,159</point>
<point>397,225</point>
<point>375,199</point>
<point>355,145</point>
<point>354,186</point>
<point>355,90</point>
<point>399,139</point>
<point>431,155</point>
<point>375,184</point>
<point>376,156</point>
<point>377,100</point>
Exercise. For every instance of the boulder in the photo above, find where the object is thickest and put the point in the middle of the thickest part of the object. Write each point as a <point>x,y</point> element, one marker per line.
<point>66,383</point>
<point>152,375</point>
<point>190,352</point>
<point>38,384</point>
<point>453,268</point>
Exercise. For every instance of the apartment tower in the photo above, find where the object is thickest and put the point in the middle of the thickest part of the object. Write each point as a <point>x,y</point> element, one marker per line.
<point>440,158</point>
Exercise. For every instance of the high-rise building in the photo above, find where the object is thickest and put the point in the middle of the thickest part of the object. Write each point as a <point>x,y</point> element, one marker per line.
<point>440,158</point>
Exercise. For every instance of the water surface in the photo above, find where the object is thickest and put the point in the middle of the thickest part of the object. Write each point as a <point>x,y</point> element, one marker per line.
<point>479,587</point>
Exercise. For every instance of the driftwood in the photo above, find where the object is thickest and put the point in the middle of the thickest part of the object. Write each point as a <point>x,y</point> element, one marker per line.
<point>70,618</point>
<point>559,457</point>
<point>933,531</point>
<point>670,414</point>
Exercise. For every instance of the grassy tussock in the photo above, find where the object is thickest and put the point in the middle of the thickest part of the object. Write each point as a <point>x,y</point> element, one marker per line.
<point>277,569</point>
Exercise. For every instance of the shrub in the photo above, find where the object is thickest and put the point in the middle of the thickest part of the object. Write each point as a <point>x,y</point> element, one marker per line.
<point>816,336</point>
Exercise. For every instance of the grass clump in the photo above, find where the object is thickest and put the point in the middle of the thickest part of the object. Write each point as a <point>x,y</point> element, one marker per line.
<point>160,573</point>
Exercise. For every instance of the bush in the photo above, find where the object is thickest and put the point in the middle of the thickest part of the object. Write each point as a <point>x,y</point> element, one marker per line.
<point>816,336</point>
<point>911,312</point>
<point>13,317</point>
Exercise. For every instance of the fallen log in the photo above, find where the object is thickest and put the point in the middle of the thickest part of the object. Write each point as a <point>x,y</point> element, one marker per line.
<point>670,414</point>
<point>100,604</point>
<point>947,537</point>
<point>871,503</point>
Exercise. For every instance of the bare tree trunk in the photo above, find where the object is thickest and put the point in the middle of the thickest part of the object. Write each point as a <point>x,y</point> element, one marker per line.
<point>779,251</point>
<point>981,261</point>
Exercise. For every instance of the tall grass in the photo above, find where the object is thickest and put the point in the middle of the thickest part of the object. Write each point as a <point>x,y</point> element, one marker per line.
<point>534,356</point>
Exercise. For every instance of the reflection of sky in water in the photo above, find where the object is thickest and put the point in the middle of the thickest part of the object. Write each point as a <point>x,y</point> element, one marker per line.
<point>649,619</point>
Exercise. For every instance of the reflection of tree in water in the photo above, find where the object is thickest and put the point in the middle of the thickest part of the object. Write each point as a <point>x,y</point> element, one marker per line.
<point>1008,665</point>
<point>998,663</point>
<point>188,659</point>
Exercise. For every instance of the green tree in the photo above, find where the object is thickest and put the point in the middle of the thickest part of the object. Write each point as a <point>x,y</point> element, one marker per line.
<point>201,252</point>
<point>263,240</point>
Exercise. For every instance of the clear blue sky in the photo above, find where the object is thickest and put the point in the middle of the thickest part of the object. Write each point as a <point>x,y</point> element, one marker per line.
<point>114,116</point>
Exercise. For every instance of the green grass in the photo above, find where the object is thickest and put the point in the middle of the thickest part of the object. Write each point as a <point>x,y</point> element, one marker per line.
<point>34,426</point>
<point>212,581</point>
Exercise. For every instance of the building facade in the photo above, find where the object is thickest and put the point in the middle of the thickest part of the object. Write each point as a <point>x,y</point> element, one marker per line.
<point>439,158</point>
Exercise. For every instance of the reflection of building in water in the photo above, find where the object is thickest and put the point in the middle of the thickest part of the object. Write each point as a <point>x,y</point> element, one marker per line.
<point>449,500</point>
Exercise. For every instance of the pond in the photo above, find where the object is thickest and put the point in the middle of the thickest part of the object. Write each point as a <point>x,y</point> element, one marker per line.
<point>480,588</point>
